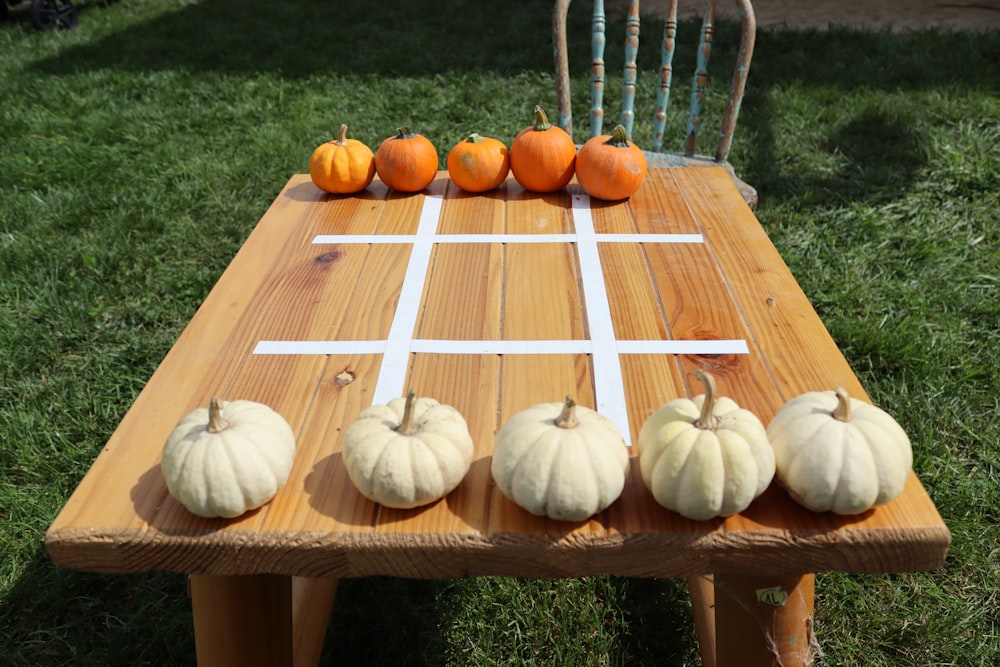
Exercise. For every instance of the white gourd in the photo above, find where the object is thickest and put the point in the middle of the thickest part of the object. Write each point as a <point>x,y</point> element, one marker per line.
<point>705,457</point>
<point>839,454</point>
<point>409,452</point>
<point>560,460</point>
<point>228,458</point>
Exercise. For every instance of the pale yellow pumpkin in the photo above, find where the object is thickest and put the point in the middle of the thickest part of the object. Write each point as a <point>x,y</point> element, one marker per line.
<point>228,458</point>
<point>839,454</point>
<point>409,452</point>
<point>560,460</point>
<point>705,457</point>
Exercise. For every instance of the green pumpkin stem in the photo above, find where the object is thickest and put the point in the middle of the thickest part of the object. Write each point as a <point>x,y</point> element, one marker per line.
<point>618,138</point>
<point>567,418</point>
<point>707,419</point>
<point>406,426</point>
<point>216,422</point>
<point>541,120</point>
<point>342,139</point>
<point>843,410</point>
<point>474,138</point>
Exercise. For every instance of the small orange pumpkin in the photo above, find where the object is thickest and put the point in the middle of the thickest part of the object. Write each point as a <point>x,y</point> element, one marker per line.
<point>542,157</point>
<point>342,166</point>
<point>478,164</point>
<point>406,161</point>
<point>610,167</point>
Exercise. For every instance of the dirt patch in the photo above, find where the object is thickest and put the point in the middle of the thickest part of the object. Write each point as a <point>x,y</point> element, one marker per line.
<point>897,15</point>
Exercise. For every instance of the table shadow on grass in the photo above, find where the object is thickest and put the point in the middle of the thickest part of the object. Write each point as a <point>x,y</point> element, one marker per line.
<point>594,620</point>
<point>55,616</point>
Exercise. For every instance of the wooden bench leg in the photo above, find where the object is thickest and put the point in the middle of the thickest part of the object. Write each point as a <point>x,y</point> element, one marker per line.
<point>702,591</point>
<point>267,620</point>
<point>312,602</point>
<point>765,621</point>
<point>245,620</point>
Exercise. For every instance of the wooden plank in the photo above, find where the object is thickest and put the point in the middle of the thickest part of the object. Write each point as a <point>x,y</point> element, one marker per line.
<point>658,207</point>
<point>787,329</point>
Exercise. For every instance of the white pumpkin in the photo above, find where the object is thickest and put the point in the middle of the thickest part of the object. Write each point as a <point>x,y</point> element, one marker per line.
<point>837,453</point>
<point>705,457</point>
<point>560,460</point>
<point>409,452</point>
<point>228,458</point>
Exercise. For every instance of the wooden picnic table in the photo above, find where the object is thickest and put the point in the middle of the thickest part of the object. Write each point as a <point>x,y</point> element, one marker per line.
<point>490,303</point>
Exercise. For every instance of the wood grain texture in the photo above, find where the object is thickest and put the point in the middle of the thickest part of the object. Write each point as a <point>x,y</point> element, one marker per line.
<point>282,286</point>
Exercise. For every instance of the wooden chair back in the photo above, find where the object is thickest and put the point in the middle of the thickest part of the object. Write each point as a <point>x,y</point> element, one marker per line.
<point>659,114</point>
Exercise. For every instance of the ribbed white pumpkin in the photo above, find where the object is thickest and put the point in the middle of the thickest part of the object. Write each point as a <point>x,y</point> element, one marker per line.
<point>837,453</point>
<point>409,452</point>
<point>228,458</point>
<point>705,457</point>
<point>560,460</point>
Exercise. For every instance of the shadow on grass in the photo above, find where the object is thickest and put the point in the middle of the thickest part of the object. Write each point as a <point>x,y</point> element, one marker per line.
<point>876,151</point>
<point>351,37</point>
<point>54,616</point>
<point>382,620</point>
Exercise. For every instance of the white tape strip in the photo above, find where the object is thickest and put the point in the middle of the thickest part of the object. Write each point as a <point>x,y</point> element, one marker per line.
<point>609,387</point>
<point>392,374</point>
<point>431,346</point>
<point>320,347</point>
<point>503,346</point>
<point>699,347</point>
<point>347,239</point>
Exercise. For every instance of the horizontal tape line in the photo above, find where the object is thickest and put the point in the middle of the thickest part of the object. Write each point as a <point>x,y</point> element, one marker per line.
<point>348,239</point>
<point>433,346</point>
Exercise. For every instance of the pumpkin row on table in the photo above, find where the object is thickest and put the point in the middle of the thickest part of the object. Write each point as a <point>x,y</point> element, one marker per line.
<point>703,457</point>
<point>542,158</point>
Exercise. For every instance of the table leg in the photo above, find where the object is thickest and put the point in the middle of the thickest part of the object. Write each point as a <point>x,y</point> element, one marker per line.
<point>764,620</point>
<point>312,602</point>
<point>244,620</point>
<point>702,592</point>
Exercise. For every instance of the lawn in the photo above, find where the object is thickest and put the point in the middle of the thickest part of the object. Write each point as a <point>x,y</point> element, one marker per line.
<point>138,151</point>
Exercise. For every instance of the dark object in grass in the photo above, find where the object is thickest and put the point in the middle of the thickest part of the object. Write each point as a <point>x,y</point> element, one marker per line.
<point>47,14</point>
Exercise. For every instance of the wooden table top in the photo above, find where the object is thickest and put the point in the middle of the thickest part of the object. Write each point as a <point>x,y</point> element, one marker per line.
<point>500,306</point>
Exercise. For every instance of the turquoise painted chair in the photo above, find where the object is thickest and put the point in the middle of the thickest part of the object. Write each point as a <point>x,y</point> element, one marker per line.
<point>657,156</point>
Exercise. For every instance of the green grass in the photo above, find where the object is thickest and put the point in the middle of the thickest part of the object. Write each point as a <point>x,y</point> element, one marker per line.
<point>137,152</point>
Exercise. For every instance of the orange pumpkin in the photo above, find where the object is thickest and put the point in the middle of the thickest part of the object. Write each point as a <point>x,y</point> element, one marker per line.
<point>406,161</point>
<point>542,157</point>
<point>342,166</point>
<point>478,164</point>
<point>610,167</point>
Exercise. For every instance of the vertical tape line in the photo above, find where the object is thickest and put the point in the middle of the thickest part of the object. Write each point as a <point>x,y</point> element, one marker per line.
<point>608,385</point>
<point>396,360</point>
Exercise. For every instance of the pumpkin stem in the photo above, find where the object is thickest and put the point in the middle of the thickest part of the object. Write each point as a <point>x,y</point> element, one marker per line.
<point>216,423</point>
<point>567,418</point>
<point>618,138</point>
<point>707,420</point>
<point>541,120</point>
<point>342,139</point>
<point>406,426</point>
<point>843,410</point>
<point>405,133</point>
<point>474,138</point>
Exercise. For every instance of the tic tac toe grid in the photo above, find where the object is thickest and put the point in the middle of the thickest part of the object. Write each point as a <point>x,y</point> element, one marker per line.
<point>601,345</point>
